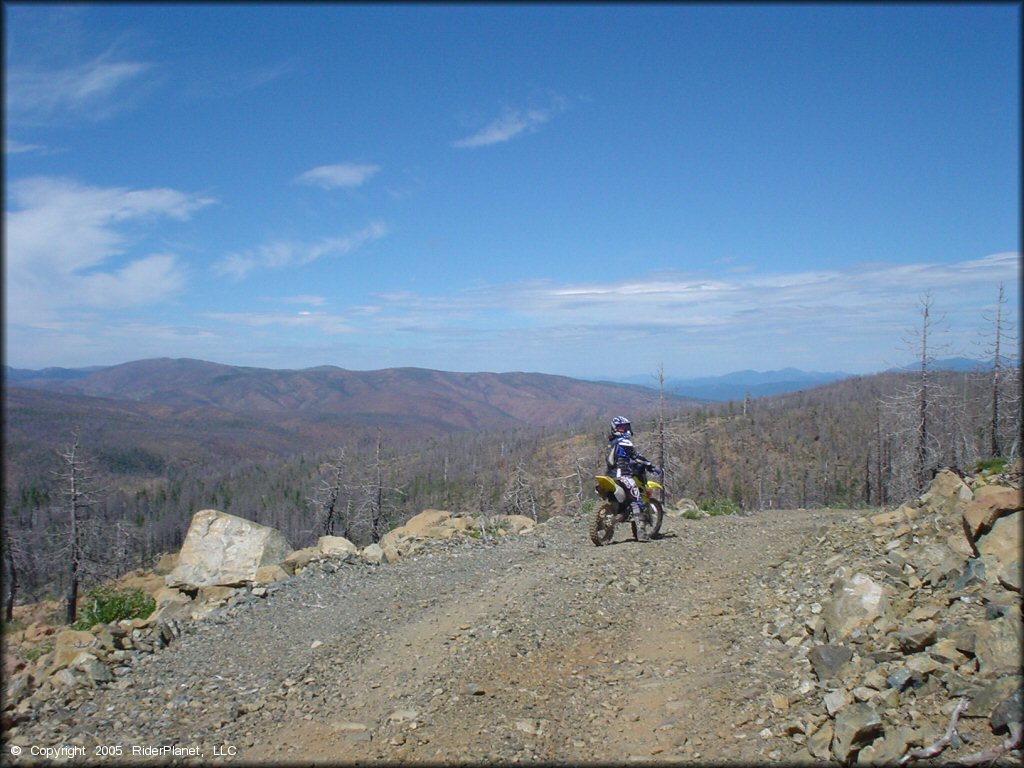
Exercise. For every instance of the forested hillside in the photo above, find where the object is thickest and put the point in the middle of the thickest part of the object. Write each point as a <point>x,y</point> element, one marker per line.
<point>416,400</point>
<point>864,440</point>
<point>143,469</point>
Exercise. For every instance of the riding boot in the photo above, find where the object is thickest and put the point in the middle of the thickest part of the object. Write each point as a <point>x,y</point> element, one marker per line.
<point>640,520</point>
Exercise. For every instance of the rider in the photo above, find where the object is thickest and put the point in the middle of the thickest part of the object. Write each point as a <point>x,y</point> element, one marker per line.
<point>624,461</point>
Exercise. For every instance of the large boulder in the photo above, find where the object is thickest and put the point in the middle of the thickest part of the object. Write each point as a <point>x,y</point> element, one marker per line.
<point>511,523</point>
<point>946,492</point>
<point>989,504</point>
<point>856,601</point>
<point>1003,542</point>
<point>998,644</point>
<point>225,550</point>
<point>299,559</point>
<point>407,539</point>
<point>856,726</point>
<point>73,648</point>
<point>427,524</point>
<point>337,547</point>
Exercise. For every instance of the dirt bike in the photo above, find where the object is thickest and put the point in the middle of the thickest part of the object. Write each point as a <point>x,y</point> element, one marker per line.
<point>616,508</point>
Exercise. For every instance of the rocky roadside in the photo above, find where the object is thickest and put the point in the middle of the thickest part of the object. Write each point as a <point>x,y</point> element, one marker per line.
<point>820,635</point>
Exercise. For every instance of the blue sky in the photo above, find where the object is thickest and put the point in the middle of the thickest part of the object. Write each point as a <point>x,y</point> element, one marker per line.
<point>571,189</point>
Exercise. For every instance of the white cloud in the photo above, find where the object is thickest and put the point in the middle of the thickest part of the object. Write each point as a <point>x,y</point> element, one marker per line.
<point>340,175</point>
<point>12,147</point>
<point>331,325</point>
<point>309,299</point>
<point>62,237</point>
<point>94,89</point>
<point>807,318</point>
<point>510,124</point>
<point>278,255</point>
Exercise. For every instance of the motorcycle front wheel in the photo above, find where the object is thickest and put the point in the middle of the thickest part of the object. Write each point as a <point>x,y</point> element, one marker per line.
<point>655,516</point>
<point>602,526</point>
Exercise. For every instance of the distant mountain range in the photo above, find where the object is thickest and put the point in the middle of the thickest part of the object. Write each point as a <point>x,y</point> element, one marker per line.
<point>739,384</point>
<point>448,401</point>
<point>420,400</point>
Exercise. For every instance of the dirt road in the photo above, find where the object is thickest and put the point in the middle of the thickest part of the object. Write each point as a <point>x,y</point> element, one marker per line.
<point>558,650</point>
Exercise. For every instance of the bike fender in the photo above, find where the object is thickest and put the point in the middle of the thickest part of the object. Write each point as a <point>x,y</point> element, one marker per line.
<point>607,486</point>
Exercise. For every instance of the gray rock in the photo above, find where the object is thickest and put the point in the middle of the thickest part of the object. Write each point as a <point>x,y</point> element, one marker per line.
<point>972,573</point>
<point>903,677</point>
<point>819,743</point>
<point>855,726</point>
<point>986,698</point>
<point>99,672</point>
<point>890,748</point>
<point>916,638</point>
<point>1009,710</point>
<point>1010,576</point>
<point>223,549</point>
<point>856,601</point>
<point>997,646</point>
<point>835,701</point>
<point>827,660</point>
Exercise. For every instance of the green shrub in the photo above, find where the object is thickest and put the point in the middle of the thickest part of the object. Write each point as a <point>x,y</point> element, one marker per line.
<point>719,506</point>
<point>106,604</point>
<point>38,650</point>
<point>992,466</point>
<point>12,626</point>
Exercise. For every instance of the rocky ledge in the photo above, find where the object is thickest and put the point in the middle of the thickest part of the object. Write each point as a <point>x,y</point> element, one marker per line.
<point>920,627</point>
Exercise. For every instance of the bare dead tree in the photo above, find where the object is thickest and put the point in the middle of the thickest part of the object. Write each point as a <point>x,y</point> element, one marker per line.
<point>996,366</point>
<point>327,498</point>
<point>1011,412</point>
<point>447,487</point>
<point>79,498</point>
<point>520,496</point>
<point>917,444</point>
<point>10,574</point>
<point>579,473</point>
<point>661,440</point>
<point>922,429</point>
<point>1000,335</point>
<point>375,500</point>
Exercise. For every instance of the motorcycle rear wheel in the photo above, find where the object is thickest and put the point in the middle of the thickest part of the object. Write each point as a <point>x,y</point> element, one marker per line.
<point>602,525</point>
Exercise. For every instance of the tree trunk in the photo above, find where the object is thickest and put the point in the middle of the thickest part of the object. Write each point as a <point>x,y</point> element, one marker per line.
<point>11,579</point>
<point>662,451</point>
<point>996,364</point>
<point>922,430</point>
<point>378,505</point>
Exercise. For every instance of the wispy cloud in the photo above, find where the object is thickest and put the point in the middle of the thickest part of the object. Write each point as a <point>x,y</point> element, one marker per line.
<point>307,299</point>
<point>338,175</point>
<point>831,297</point>
<point>268,74</point>
<point>278,255</point>
<point>510,124</point>
<point>12,147</point>
<point>847,318</point>
<point>94,90</point>
<point>322,322</point>
<point>66,247</point>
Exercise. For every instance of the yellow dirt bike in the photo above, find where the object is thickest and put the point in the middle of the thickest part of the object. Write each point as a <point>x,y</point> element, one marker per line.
<point>616,508</point>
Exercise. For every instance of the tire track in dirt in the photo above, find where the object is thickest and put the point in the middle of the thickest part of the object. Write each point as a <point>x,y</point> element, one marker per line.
<point>564,652</point>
